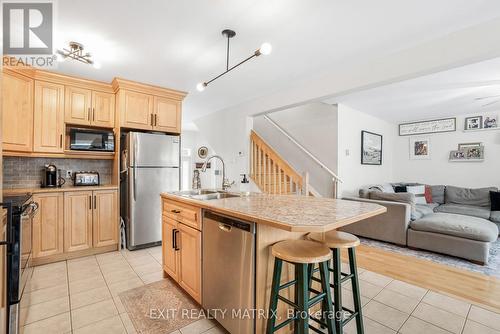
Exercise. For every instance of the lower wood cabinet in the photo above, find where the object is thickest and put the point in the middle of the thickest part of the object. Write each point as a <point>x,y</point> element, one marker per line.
<point>48,225</point>
<point>74,221</point>
<point>182,251</point>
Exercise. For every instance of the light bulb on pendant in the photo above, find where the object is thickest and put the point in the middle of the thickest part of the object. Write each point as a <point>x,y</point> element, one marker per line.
<point>201,86</point>
<point>265,48</point>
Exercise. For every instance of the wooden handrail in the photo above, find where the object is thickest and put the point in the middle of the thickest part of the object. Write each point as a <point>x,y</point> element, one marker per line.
<point>270,171</point>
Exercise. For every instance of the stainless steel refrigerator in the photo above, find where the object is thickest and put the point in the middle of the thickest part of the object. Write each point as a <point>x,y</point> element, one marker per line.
<point>150,166</point>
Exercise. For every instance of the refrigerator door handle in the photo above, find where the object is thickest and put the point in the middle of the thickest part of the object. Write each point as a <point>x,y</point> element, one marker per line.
<point>134,182</point>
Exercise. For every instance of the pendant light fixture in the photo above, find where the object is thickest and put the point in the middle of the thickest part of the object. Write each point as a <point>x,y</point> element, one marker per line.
<point>76,52</point>
<point>264,49</point>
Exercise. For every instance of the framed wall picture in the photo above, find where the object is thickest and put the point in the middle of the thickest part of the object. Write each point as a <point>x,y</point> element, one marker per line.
<point>371,148</point>
<point>420,148</point>
<point>431,126</point>
<point>490,121</point>
<point>473,123</point>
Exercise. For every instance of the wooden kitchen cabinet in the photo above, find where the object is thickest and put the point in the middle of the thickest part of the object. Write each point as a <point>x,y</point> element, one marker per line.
<point>189,245</point>
<point>77,220</point>
<point>170,259</point>
<point>105,218</point>
<point>167,115</point>
<point>77,105</point>
<point>17,106</point>
<point>181,244</point>
<point>136,110</point>
<point>48,118</point>
<point>48,225</point>
<point>103,109</point>
<point>88,107</point>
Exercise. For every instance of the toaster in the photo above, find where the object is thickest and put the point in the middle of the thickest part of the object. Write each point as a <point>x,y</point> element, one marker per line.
<point>86,178</point>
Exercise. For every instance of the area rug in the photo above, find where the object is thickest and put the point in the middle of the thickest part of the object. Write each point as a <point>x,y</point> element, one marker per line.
<point>491,269</point>
<point>160,307</point>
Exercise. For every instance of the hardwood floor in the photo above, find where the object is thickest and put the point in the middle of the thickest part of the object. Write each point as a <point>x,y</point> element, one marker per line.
<point>473,287</point>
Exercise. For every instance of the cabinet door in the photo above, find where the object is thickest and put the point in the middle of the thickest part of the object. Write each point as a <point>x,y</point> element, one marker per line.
<point>103,109</point>
<point>77,220</point>
<point>77,105</point>
<point>48,225</point>
<point>137,110</point>
<point>105,218</point>
<point>189,242</point>
<point>167,115</point>
<point>48,117</point>
<point>170,259</point>
<point>17,104</point>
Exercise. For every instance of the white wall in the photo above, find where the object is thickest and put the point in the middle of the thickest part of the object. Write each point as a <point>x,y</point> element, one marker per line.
<point>438,170</point>
<point>351,171</point>
<point>314,126</point>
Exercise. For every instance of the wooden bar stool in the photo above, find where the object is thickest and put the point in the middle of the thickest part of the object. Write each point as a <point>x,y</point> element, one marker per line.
<point>301,254</point>
<point>336,240</point>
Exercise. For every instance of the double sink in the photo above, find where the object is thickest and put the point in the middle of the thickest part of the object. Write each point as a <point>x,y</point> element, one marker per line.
<point>206,195</point>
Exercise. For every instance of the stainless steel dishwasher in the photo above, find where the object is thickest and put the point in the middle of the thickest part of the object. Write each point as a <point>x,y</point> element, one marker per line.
<point>229,272</point>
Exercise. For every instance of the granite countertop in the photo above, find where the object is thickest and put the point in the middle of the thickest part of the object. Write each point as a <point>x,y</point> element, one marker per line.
<point>289,212</point>
<point>7,192</point>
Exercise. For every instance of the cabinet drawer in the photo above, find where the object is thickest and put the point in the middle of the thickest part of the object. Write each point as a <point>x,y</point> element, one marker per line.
<point>186,214</point>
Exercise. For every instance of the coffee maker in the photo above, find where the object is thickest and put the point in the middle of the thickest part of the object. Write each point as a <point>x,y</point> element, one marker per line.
<point>52,177</point>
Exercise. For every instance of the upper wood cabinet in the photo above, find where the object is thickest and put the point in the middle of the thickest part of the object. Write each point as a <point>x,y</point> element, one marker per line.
<point>77,105</point>
<point>77,221</point>
<point>136,110</point>
<point>88,107</point>
<point>167,115</point>
<point>103,109</point>
<point>17,120</point>
<point>48,118</point>
<point>48,225</point>
<point>105,218</point>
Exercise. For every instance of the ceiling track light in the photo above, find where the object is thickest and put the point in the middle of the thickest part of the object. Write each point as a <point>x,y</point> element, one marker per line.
<point>75,52</point>
<point>264,49</point>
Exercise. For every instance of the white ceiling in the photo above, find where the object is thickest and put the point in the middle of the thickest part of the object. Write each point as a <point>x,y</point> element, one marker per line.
<point>177,43</point>
<point>465,90</point>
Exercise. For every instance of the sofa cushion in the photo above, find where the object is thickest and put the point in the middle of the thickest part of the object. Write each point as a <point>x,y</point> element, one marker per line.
<point>495,216</point>
<point>425,209</point>
<point>495,200</point>
<point>393,197</point>
<point>457,225</point>
<point>467,196</point>
<point>437,194</point>
<point>419,192</point>
<point>467,210</point>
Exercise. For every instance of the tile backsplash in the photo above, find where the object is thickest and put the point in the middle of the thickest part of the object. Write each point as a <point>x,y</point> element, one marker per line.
<point>28,172</point>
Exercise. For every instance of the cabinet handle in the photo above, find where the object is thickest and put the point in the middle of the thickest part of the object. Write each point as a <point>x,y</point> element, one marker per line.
<point>175,239</point>
<point>175,211</point>
<point>156,119</point>
<point>95,202</point>
<point>90,202</point>
<point>93,114</point>
<point>60,140</point>
<point>88,113</point>
<point>174,246</point>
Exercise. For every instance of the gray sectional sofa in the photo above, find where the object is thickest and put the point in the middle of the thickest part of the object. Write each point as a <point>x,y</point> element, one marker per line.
<point>459,222</point>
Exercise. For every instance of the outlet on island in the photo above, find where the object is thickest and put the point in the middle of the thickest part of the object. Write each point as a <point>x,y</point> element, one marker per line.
<point>69,174</point>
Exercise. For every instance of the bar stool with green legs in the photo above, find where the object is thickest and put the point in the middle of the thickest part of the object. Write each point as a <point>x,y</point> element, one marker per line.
<point>336,241</point>
<point>301,254</point>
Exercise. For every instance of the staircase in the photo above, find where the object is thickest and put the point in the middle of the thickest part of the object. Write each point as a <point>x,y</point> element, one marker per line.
<point>274,175</point>
<point>271,173</point>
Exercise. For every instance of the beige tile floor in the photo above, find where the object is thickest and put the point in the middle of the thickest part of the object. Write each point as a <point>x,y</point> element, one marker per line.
<point>81,296</point>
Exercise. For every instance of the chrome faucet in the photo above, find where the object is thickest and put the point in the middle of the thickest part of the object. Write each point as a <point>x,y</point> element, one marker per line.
<point>225,182</point>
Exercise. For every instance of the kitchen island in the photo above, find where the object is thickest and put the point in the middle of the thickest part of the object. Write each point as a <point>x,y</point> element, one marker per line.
<point>276,218</point>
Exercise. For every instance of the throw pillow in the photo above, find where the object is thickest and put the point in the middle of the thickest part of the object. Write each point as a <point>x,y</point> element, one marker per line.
<point>400,189</point>
<point>419,192</point>
<point>428,194</point>
<point>495,200</point>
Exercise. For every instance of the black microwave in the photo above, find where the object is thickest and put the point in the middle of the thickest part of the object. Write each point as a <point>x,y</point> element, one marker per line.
<point>91,140</point>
